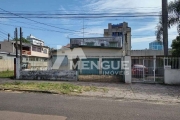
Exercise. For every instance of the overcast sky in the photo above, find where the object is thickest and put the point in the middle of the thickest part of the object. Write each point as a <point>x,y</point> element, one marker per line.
<point>143,28</point>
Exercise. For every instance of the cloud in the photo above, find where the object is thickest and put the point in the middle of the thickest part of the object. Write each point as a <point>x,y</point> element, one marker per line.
<point>172,33</point>
<point>143,39</point>
<point>146,28</point>
<point>121,6</point>
<point>3,19</point>
<point>89,32</point>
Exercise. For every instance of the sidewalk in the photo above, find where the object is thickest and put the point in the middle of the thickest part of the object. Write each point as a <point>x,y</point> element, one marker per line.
<point>135,91</point>
<point>7,115</point>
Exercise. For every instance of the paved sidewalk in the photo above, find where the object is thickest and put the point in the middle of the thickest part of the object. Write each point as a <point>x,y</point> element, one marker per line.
<point>149,92</point>
<point>8,115</point>
<point>135,91</point>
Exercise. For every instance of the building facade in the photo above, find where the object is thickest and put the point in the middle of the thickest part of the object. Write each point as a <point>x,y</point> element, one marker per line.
<point>156,45</point>
<point>35,56</point>
<point>121,29</point>
<point>35,41</point>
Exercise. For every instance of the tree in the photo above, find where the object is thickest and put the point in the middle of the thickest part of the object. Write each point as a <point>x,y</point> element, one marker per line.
<point>173,18</point>
<point>176,47</point>
<point>24,40</point>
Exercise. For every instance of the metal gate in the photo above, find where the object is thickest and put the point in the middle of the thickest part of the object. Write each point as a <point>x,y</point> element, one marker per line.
<point>90,70</point>
<point>148,70</point>
<point>114,66</point>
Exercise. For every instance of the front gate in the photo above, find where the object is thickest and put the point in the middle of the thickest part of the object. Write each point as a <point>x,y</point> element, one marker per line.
<point>147,70</point>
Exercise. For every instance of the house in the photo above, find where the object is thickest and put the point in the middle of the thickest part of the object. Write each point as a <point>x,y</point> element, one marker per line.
<point>92,52</point>
<point>35,55</point>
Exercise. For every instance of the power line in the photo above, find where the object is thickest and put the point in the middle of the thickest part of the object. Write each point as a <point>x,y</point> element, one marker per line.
<point>72,33</point>
<point>38,28</point>
<point>75,14</point>
<point>3,33</point>
<point>37,21</point>
<point>80,17</point>
<point>139,8</point>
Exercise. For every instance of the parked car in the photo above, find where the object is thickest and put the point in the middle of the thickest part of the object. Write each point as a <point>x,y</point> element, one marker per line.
<point>137,70</point>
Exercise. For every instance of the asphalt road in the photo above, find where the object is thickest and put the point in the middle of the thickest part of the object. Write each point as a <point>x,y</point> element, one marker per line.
<point>83,108</point>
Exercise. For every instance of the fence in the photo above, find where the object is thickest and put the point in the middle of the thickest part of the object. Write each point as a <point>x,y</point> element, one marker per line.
<point>172,62</point>
<point>6,62</point>
<point>147,69</point>
<point>49,75</point>
<point>172,70</point>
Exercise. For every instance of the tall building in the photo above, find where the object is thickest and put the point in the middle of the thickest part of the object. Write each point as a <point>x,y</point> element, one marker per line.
<point>156,45</point>
<point>120,30</point>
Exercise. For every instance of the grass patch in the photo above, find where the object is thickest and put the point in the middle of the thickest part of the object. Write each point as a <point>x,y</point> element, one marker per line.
<point>7,74</point>
<point>63,88</point>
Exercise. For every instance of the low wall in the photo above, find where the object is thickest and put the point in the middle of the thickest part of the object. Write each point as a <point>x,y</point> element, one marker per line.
<point>100,78</point>
<point>49,75</point>
<point>172,76</point>
<point>6,65</point>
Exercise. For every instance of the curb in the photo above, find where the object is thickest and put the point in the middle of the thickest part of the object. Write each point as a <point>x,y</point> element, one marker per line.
<point>95,96</point>
<point>34,91</point>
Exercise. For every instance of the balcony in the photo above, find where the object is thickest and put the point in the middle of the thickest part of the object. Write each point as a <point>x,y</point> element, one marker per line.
<point>106,42</point>
<point>25,52</point>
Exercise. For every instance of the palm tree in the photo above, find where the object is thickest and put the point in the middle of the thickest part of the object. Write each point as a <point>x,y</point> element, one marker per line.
<point>173,18</point>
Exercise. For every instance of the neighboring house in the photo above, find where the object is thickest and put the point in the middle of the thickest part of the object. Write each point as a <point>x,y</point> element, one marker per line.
<point>35,41</point>
<point>6,46</point>
<point>156,45</point>
<point>34,55</point>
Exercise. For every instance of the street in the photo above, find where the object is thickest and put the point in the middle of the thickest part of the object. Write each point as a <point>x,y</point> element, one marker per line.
<point>82,108</point>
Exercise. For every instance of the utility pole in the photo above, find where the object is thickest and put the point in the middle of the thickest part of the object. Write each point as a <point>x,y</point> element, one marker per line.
<point>16,38</point>
<point>20,48</point>
<point>8,37</point>
<point>83,28</point>
<point>165,26</point>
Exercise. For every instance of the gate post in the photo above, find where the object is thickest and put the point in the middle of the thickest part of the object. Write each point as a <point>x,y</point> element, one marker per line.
<point>127,69</point>
<point>154,60</point>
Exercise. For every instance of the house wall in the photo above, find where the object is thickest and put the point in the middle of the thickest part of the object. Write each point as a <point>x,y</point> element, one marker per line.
<point>98,53</point>
<point>88,52</point>
<point>146,53</point>
<point>7,47</point>
<point>39,54</point>
<point>6,63</point>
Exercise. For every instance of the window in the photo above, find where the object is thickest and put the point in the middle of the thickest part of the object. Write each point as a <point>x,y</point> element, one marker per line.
<point>33,48</point>
<point>0,46</point>
<point>45,51</point>
<point>113,44</point>
<point>38,49</point>
<point>90,43</point>
<point>32,59</point>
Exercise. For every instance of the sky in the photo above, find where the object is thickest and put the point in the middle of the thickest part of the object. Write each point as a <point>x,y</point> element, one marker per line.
<point>58,31</point>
